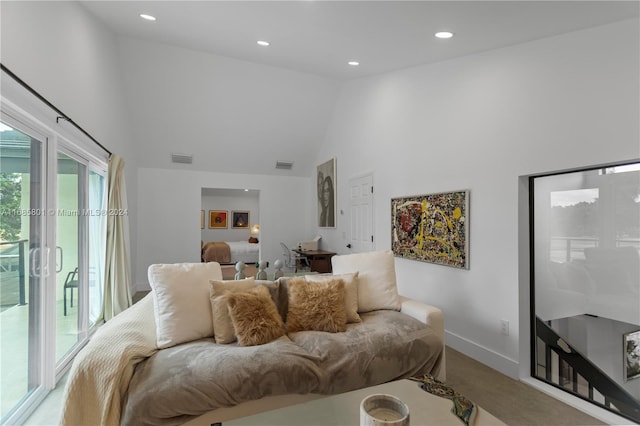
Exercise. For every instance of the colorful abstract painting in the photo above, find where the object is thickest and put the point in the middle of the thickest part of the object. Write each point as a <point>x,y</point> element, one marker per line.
<point>432,228</point>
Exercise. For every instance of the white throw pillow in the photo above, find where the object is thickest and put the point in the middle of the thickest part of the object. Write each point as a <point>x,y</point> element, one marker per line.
<point>350,291</point>
<point>181,300</point>
<point>223,331</point>
<point>376,278</point>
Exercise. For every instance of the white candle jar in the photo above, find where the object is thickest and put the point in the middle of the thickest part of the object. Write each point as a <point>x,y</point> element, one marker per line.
<point>383,410</point>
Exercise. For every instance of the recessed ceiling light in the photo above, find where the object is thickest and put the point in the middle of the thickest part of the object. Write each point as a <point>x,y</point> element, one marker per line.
<point>354,63</point>
<point>444,34</point>
<point>147,17</point>
<point>263,43</point>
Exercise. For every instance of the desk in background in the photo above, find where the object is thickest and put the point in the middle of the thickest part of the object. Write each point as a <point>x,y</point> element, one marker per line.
<point>319,260</point>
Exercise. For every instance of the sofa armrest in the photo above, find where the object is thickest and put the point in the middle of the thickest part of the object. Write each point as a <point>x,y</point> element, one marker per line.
<point>431,316</point>
<point>427,314</point>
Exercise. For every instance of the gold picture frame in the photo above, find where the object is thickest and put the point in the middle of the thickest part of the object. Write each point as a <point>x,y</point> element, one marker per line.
<point>218,219</point>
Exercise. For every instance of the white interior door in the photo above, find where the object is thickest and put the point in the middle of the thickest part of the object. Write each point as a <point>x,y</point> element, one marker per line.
<point>361,238</point>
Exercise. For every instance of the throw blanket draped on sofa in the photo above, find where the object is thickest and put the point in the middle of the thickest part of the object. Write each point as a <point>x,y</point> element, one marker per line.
<point>100,375</point>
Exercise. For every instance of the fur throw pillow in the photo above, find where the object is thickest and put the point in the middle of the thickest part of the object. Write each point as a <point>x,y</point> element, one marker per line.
<point>317,306</point>
<point>222,326</point>
<point>254,316</point>
<point>350,292</point>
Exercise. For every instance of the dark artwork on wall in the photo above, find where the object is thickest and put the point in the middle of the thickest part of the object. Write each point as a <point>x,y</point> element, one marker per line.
<point>326,191</point>
<point>432,228</point>
<point>631,360</point>
<point>240,219</point>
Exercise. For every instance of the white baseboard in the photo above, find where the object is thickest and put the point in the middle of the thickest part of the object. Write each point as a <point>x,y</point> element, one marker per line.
<point>484,355</point>
<point>578,403</point>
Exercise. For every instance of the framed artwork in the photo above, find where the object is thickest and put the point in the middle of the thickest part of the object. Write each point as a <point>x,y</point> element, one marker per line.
<point>326,193</point>
<point>432,228</point>
<point>631,352</point>
<point>218,219</point>
<point>201,219</point>
<point>240,219</point>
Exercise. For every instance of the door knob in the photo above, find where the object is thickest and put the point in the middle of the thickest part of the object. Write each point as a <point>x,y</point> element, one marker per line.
<point>348,245</point>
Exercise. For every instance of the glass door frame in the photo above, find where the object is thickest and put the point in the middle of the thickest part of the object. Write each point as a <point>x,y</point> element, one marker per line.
<point>44,371</point>
<point>39,372</point>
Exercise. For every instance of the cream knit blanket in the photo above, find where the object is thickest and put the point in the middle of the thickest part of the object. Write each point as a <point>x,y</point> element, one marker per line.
<point>101,372</point>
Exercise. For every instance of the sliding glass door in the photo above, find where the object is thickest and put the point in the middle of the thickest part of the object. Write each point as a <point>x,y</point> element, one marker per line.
<point>70,227</point>
<point>52,252</point>
<point>22,264</point>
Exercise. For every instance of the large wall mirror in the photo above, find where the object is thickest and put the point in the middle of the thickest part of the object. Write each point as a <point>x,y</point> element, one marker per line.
<point>585,277</point>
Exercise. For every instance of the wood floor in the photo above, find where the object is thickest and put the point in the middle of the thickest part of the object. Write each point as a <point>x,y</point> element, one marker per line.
<point>511,401</point>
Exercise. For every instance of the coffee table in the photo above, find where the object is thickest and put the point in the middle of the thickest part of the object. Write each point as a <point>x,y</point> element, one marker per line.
<point>344,409</point>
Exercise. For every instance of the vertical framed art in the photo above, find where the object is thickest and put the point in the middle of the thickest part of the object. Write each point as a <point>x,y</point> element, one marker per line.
<point>631,352</point>
<point>326,194</point>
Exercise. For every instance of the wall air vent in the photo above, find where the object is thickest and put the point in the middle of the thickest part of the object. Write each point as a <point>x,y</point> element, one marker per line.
<point>284,165</point>
<point>181,158</point>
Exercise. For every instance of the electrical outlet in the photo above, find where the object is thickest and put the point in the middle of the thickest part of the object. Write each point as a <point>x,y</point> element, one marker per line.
<point>504,327</point>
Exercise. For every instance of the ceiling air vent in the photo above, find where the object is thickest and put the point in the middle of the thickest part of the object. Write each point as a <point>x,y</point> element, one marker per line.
<point>181,158</point>
<point>284,165</point>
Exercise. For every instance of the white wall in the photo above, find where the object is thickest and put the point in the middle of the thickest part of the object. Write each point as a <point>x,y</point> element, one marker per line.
<point>71,59</point>
<point>478,123</point>
<point>233,116</point>
<point>169,214</point>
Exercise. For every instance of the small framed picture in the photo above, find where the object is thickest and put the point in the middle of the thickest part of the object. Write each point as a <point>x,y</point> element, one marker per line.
<point>218,219</point>
<point>631,351</point>
<point>240,219</point>
<point>201,219</point>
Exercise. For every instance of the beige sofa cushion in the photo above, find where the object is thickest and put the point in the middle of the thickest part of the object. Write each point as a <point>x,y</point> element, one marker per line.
<point>376,278</point>
<point>181,300</point>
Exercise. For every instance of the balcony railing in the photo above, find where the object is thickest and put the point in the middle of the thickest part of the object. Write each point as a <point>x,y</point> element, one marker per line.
<point>566,249</point>
<point>12,260</point>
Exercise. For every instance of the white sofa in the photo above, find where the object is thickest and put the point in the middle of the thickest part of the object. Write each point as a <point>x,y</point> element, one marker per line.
<point>113,375</point>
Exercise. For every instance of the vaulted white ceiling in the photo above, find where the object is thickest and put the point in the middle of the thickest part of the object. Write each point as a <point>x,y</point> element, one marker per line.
<point>198,83</point>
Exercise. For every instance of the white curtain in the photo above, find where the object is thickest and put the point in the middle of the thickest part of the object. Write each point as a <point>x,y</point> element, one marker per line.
<point>117,296</point>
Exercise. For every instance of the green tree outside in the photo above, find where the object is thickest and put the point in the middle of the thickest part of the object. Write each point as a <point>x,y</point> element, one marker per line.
<point>10,198</point>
